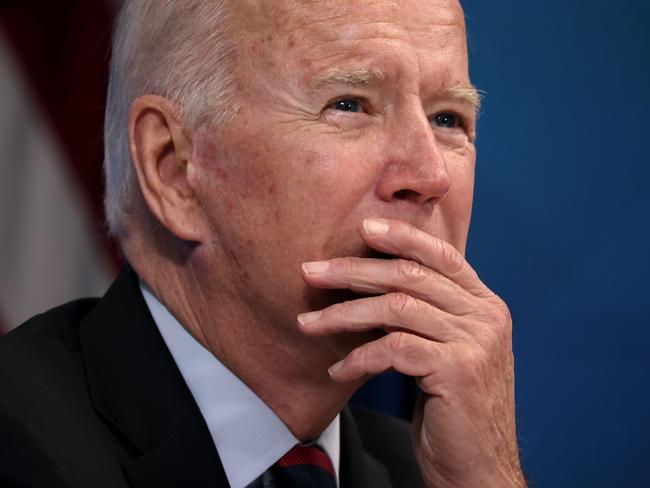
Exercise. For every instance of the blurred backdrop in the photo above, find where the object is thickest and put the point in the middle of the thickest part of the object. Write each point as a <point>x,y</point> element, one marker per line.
<point>561,225</point>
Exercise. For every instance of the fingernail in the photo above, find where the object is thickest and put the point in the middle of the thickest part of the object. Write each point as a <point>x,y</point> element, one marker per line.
<point>306,318</point>
<point>375,227</point>
<point>334,368</point>
<point>315,267</point>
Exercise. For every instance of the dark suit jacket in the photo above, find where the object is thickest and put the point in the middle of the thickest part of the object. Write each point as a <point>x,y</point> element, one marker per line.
<point>91,397</point>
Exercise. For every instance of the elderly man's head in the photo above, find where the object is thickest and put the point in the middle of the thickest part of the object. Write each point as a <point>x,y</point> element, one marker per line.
<point>264,132</point>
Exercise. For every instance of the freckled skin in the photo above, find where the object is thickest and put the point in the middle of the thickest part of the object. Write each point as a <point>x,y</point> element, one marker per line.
<point>327,172</point>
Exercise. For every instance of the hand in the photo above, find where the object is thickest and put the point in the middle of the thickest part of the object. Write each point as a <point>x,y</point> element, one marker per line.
<point>444,327</point>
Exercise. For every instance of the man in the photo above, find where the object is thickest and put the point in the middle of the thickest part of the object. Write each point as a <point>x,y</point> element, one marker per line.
<point>291,185</point>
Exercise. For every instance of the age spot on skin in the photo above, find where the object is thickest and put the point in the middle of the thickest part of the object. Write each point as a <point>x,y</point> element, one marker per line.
<point>311,158</point>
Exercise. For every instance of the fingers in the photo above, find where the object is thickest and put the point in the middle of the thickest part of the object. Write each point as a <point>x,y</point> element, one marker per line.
<point>406,241</point>
<point>391,312</point>
<point>378,276</point>
<point>430,302</point>
<point>399,351</point>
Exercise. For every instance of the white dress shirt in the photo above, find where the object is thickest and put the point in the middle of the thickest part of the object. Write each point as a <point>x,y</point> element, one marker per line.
<point>248,435</point>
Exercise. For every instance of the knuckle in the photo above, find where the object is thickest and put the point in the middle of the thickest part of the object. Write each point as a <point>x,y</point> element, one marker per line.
<point>410,270</point>
<point>504,312</point>
<point>501,317</point>
<point>399,303</point>
<point>496,312</point>
<point>451,259</point>
<point>404,345</point>
<point>494,336</point>
<point>396,341</point>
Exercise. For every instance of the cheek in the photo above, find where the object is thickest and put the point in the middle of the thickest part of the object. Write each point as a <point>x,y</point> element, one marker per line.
<point>283,183</point>
<point>464,182</point>
<point>235,174</point>
<point>456,208</point>
<point>461,166</point>
<point>321,182</point>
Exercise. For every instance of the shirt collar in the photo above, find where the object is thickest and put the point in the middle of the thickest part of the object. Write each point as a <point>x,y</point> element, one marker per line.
<point>248,435</point>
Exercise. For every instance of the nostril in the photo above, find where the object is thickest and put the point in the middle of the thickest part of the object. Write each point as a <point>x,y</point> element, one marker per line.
<point>403,194</point>
<point>414,196</point>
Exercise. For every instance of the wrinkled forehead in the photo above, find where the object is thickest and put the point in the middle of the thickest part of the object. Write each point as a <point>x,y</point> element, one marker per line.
<point>285,16</point>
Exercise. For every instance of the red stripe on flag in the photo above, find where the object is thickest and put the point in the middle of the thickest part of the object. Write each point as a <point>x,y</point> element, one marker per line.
<point>63,48</point>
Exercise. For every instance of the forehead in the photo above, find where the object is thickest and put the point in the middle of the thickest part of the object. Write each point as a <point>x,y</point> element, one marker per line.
<point>322,9</point>
<point>412,39</point>
<point>319,19</point>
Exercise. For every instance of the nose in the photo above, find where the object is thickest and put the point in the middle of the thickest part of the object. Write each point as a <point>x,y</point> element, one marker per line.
<point>414,167</point>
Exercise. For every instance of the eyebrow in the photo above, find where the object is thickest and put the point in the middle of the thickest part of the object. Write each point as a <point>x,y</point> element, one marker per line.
<point>351,77</point>
<point>467,93</point>
<point>370,76</point>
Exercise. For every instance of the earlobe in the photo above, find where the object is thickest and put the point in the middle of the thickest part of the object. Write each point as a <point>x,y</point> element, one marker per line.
<point>160,150</point>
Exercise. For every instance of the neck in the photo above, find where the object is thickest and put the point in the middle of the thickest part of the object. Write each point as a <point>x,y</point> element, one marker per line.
<point>286,369</point>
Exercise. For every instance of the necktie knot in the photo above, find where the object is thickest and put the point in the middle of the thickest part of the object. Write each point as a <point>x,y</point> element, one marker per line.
<point>304,467</point>
<point>301,467</point>
<point>312,456</point>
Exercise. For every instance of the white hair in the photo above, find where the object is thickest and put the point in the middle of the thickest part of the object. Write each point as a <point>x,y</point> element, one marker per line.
<point>179,49</point>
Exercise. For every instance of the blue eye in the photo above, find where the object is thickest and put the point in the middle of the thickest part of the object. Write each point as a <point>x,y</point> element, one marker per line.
<point>446,120</point>
<point>347,105</point>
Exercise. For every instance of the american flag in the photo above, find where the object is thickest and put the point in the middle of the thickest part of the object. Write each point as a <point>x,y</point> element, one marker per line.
<point>53,74</point>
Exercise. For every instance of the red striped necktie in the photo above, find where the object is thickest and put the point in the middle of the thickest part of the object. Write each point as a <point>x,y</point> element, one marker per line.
<point>301,467</point>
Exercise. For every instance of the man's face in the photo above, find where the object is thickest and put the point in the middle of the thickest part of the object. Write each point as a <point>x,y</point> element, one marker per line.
<point>350,109</point>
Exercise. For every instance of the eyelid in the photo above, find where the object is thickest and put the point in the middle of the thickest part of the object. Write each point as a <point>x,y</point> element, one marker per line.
<point>463,121</point>
<point>365,104</point>
<point>459,118</point>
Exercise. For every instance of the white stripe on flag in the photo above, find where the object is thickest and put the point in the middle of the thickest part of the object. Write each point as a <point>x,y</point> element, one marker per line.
<point>48,251</point>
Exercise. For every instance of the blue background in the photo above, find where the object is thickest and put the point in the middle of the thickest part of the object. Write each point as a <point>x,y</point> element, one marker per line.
<point>561,229</point>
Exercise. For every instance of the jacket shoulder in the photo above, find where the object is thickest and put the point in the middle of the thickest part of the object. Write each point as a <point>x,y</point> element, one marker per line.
<point>59,323</point>
<point>388,439</point>
<point>44,405</point>
<point>44,345</point>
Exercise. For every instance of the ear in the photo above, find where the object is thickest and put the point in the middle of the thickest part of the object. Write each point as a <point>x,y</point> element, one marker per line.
<point>161,149</point>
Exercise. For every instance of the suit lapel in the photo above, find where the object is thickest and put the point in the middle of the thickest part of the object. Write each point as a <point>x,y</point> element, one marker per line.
<point>358,468</point>
<point>136,386</point>
<point>186,458</point>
